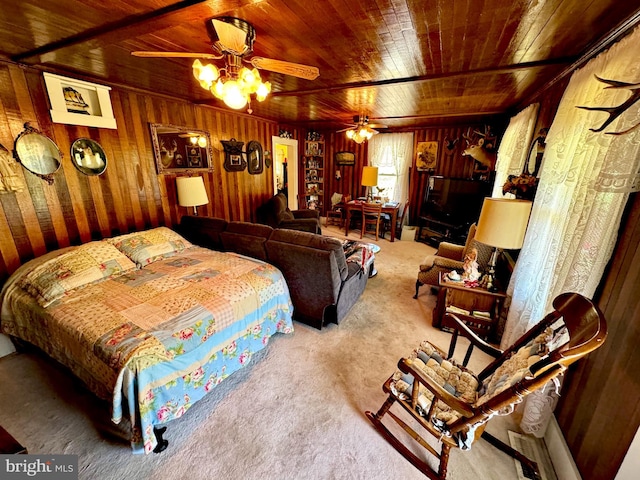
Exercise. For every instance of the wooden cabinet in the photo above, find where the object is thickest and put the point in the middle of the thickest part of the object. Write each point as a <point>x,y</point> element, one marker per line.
<point>314,175</point>
<point>477,307</point>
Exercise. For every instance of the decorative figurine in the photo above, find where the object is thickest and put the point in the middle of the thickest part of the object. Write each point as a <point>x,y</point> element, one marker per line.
<point>470,266</point>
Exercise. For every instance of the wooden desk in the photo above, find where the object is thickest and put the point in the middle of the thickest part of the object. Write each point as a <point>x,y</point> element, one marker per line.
<point>466,302</point>
<point>389,210</point>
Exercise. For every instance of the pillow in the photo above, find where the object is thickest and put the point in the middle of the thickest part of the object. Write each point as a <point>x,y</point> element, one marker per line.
<point>89,263</point>
<point>146,247</point>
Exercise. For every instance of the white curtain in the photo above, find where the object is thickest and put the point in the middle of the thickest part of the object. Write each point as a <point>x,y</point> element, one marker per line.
<point>584,185</point>
<point>514,146</point>
<point>392,153</point>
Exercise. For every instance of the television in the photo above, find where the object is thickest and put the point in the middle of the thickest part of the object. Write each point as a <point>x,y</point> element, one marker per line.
<point>455,202</point>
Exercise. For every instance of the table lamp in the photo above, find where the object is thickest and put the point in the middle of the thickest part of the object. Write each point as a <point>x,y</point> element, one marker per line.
<point>369,179</point>
<point>191,192</point>
<point>502,225</point>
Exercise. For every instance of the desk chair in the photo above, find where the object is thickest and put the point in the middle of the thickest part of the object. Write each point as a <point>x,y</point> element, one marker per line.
<point>371,215</point>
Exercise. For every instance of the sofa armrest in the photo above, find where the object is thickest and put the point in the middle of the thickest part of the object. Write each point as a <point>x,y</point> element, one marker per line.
<point>302,224</point>
<point>450,250</point>
<point>306,213</point>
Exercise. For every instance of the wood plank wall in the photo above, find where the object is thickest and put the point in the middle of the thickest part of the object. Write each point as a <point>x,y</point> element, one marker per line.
<point>599,412</point>
<point>130,195</point>
<point>450,163</point>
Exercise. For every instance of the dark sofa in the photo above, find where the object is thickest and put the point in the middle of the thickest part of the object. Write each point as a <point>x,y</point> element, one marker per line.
<point>322,283</point>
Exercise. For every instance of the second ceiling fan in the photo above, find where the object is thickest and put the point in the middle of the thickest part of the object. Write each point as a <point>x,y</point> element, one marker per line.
<point>361,130</point>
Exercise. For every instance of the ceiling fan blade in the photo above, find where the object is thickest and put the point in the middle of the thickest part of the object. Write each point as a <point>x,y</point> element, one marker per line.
<point>230,37</point>
<point>294,69</point>
<point>376,125</point>
<point>144,54</point>
<point>345,129</point>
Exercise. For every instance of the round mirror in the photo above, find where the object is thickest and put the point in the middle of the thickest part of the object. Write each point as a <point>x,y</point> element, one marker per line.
<point>37,153</point>
<point>88,156</point>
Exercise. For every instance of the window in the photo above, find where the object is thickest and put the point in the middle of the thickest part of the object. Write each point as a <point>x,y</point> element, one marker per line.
<point>392,153</point>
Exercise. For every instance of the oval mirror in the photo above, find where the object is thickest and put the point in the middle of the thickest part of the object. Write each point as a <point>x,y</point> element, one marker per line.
<point>37,153</point>
<point>254,157</point>
<point>88,156</point>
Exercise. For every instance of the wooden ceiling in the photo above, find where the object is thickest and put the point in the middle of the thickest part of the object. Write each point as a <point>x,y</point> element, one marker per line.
<point>403,63</point>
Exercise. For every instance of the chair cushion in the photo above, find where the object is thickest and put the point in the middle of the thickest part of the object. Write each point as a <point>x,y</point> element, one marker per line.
<point>455,379</point>
<point>516,367</point>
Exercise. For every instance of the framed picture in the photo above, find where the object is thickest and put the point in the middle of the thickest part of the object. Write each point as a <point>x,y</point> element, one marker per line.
<point>345,158</point>
<point>233,161</point>
<point>37,153</point>
<point>427,156</point>
<point>177,149</point>
<point>254,157</point>
<point>88,156</point>
<point>76,102</point>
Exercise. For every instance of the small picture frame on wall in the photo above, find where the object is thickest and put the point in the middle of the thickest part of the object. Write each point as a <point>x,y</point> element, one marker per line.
<point>76,102</point>
<point>233,160</point>
<point>345,158</point>
<point>88,156</point>
<point>427,156</point>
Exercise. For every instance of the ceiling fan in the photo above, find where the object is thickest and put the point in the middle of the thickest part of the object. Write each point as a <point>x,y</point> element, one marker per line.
<point>232,40</point>
<point>361,129</point>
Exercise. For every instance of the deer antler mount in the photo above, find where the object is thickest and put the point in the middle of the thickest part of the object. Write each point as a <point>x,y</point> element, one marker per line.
<point>615,112</point>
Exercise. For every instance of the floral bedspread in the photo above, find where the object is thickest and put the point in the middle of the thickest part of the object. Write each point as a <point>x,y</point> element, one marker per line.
<point>160,337</point>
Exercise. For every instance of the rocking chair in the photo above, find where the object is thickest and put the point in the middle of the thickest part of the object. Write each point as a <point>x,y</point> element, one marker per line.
<point>453,404</point>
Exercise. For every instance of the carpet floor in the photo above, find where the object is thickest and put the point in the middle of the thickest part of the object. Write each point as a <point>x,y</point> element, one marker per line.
<point>295,412</point>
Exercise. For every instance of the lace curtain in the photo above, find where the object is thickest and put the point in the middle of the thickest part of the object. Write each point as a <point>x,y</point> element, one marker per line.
<point>514,146</point>
<point>585,182</point>
<point>392,153</point>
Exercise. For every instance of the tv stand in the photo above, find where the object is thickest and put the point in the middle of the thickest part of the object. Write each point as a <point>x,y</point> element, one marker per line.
<point>436,231</point>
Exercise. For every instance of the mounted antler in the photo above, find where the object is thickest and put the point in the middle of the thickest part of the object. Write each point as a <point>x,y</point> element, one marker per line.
<point>615,112</point>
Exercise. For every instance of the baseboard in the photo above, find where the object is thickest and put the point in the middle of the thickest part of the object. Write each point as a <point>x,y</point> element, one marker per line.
<point>559,453</point>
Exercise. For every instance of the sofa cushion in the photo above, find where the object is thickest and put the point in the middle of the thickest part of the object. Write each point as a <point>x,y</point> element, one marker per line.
<point>202,231</point>
<point>246,239</point>
<point>313,240</point>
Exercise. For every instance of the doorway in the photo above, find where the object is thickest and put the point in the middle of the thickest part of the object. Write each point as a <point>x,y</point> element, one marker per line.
<point>285,169</point>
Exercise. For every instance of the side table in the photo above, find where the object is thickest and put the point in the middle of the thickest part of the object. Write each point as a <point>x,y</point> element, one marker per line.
<point>477,307</point>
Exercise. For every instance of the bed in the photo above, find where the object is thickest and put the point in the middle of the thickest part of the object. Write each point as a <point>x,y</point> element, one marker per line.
<point>147,320</point>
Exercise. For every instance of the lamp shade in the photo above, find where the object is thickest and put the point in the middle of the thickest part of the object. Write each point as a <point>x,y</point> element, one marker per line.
<point>503,223</point>
<point>191,191</point>
<point>369,176</point>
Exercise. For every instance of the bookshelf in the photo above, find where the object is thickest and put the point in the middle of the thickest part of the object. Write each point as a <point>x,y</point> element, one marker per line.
<point>314,174</point>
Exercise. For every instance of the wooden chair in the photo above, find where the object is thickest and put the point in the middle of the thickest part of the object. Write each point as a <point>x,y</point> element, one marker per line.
<point>371,215</point>
<point>336,214</point>
<point>386,220</point>
<point>455,408</point>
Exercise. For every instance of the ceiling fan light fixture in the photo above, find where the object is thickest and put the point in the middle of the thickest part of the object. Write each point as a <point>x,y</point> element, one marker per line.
<point>235,87</point>
<point>205,74</point>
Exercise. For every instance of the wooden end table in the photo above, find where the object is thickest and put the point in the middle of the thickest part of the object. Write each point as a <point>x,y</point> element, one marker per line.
<point>477,307</point>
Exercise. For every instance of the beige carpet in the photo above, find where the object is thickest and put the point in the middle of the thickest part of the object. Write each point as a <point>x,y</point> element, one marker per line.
<point>296,412</point>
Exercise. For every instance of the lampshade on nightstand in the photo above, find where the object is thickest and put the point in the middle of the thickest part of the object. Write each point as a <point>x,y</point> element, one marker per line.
<point>191,192</point>
<point>502,225</point>
<point>369,179</point>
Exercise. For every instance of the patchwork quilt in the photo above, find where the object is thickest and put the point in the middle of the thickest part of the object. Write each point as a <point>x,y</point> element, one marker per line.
<point>152,339</point>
